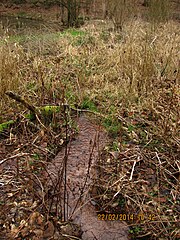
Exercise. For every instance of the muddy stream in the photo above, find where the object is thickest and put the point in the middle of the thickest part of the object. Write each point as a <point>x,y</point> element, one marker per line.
<point>83,152</point>
<point>19,25</point>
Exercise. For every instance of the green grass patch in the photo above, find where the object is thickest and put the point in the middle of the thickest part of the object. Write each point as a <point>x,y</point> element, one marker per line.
<point>74,32</point>
<point>89,104</point>
<point>6,125</point>
<point>113,126</point>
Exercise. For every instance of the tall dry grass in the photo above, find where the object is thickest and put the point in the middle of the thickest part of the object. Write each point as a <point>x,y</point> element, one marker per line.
<point>137,68</point>
<point>159,11</point>
<point>131,78</point>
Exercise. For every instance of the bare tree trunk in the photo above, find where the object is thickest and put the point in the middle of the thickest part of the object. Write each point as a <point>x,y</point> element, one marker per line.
<point>146,3</point>
<point>69,11</point>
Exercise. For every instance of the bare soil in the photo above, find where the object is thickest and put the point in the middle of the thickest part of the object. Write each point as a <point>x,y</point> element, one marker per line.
<point>83,155</point>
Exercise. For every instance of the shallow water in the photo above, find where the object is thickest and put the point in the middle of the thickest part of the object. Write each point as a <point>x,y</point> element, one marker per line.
<point>23,25</point>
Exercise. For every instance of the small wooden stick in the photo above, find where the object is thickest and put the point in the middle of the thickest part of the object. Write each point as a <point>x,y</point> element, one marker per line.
<point>21,100</point>
<point>15,156</point>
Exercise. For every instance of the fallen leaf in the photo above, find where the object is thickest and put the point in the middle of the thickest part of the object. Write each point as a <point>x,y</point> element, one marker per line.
<point>36,219</point>
<point>48,229</point>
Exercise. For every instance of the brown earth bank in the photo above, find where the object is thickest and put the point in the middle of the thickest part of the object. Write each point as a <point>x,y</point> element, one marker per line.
<point>30,11</point>
<point>83,154</point>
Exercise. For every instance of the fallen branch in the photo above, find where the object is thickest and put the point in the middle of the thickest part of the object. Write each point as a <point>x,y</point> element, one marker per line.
<point>40,113</point>
<point>24,102</point>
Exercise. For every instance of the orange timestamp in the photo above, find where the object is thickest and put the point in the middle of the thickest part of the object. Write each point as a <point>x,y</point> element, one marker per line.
<point>125,217</point>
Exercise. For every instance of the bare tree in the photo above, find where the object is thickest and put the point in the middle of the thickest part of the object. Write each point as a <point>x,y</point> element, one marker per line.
<point>146,3</point>
<point>70,10</point>
<point>118,11</point>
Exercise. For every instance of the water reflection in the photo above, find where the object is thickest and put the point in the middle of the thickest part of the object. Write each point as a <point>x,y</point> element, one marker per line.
<point>22,25</point>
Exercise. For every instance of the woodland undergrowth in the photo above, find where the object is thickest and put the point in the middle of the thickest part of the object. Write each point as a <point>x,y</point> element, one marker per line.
<point>129,81</point>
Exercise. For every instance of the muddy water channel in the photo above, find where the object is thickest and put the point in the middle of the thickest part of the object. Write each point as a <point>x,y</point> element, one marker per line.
<point>24,25</point>
<point>83,153</point>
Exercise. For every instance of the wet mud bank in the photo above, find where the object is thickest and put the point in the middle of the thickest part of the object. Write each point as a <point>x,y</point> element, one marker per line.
<point>83,154</point>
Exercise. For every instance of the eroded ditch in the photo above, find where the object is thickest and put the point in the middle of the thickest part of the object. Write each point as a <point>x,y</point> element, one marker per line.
<point>83,153</point>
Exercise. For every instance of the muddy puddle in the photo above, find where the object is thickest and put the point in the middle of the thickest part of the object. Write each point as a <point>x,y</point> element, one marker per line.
<point>83,153</point>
